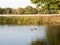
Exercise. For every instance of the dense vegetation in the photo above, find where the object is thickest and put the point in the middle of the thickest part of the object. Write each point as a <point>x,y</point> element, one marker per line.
<point>29,10</point>
<point>42,7</point>
<point>20,20</point>
<point>28,20</point>
<point>49,6</point>
<point>26,10</point>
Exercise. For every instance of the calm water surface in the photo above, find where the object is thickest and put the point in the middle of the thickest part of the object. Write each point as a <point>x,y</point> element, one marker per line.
<point>21,35</point>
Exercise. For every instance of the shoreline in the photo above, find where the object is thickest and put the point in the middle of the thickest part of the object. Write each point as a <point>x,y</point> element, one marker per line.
<point>29,14</point>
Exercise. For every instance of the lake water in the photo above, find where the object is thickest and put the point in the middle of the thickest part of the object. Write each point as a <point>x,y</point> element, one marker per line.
<point>21,35</point>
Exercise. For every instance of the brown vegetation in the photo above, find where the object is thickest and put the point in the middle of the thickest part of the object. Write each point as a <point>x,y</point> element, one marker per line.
<point>30,20</point>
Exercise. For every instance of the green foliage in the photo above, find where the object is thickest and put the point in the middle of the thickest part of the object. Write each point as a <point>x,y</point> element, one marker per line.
<point>28,20</point>
<point>34,11</point>
<point>14,11</point>
<point>58,11</point>
<point>1,11</point>
<point>48,5</point>
<point>48,8</point>
<point>28,10</point>
<point>7,11</point>
<point>41,11</point>
<point>34,1</point>
<point>21,20</point>
<point>20,11</point>
<point>53,6</point>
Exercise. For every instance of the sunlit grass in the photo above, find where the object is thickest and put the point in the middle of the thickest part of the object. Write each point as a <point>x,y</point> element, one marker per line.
<point>29,20</point>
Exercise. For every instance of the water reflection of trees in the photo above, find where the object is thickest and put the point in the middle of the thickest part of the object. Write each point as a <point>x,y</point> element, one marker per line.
<point>38,42</point>
<point>53,35</point>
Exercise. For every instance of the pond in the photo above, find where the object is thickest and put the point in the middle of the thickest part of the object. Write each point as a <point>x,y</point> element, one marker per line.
<point>21,35</point>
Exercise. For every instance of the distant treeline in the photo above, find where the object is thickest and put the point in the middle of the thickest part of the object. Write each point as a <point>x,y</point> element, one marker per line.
<point>27,10</point>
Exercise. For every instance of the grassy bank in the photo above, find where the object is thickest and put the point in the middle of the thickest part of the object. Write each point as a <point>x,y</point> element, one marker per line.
<point>30,20</point>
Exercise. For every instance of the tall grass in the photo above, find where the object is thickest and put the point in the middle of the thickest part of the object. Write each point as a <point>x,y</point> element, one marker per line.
<point>26,20</point>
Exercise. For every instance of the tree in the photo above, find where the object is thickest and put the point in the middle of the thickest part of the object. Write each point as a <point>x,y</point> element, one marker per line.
<point>41,11</point>
<point>34,1</point>
<point>39,2</point>
<point>13,11</point>
<point>47,4</point>
<point>28,10</point>
<point>20,11</point>
<point>7,10</point>
<point>52,7</point>
<point>1,11</point>
<point>34,11</point>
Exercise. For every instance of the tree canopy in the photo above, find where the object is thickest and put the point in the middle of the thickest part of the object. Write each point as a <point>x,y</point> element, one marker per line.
<point>20,11</point>
<point>48,4</point>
